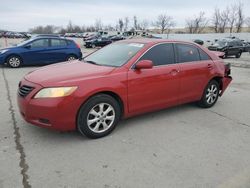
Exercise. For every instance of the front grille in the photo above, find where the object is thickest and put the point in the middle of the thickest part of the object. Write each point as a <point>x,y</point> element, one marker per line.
<point>24,90</point>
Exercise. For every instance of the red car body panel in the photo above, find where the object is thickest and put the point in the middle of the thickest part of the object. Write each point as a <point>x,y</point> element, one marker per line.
<point>140,91</point>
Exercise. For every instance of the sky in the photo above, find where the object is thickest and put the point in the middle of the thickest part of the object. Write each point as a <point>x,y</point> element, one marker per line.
<point>21,15</point>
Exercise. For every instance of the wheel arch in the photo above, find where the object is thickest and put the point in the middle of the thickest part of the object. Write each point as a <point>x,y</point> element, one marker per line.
<point>219,80</point>
<point>13,54</point>
<point>107,92</point>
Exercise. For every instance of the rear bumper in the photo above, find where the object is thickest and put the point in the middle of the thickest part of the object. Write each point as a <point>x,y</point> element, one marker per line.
<point>225,82</point>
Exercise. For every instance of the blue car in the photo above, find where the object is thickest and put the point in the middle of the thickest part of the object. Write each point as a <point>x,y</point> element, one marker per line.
<point>40,51</point>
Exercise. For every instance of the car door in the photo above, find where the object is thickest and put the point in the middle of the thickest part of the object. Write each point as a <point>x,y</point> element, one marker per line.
<point>57,50</point>
<point>233,49</point>
<point>156,88</point>
<point>195,67</point>
<point>36,52</point>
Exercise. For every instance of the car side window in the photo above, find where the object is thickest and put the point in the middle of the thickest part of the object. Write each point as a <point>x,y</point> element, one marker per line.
<point>40,43</point>
<point>187,53</point>
<point>58,43</point>
<point>203,55</point>
<point>161,54</point>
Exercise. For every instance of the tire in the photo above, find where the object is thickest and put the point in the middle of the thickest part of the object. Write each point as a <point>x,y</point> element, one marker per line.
<point>210,94</point>
<point>71,58</point>
<point>224,56</point>
<point>238,55</point>
<point>93,46</point>
<point>14,61</point>
<point>94,122</point>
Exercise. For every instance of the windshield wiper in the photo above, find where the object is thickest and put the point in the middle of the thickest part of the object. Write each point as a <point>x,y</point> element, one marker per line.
<point>92,62</point>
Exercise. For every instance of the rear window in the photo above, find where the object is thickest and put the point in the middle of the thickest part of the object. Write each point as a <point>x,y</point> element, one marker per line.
<point>58,42</point>
<point>187,53</point>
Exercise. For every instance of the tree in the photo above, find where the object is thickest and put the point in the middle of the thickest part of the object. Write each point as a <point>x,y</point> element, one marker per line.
<point>48,29</point>
<point>144,24</point>
<point>224,19</point>
<point>121,24</point>
<point>164,22</point>
<point>216,20</point>
<point>232,17</point>
<point>126,22</point>
<point>247,22</point>
<point>135,22</point>
<point>240,18</point>
<point>69,27</point>
<point>98,25</point>
<point>197,24</point>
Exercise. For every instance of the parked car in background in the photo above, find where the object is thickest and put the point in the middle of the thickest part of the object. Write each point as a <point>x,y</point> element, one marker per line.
<point>246,46</point>
<point>90,37</point>
<point>46,35</point>
<point>97,42</point>
<point>116,38</point>
<point>231,47</point>
<point>121,80</point>
<point>40,51</point>
<point>199,41</point>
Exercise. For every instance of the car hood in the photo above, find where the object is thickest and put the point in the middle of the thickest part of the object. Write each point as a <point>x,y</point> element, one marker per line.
<point>9,48</point>
<point>62,74</point>
<point>218,53</point>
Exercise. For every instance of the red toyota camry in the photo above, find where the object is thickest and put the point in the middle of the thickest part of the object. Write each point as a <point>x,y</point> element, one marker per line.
<point>124,79</point>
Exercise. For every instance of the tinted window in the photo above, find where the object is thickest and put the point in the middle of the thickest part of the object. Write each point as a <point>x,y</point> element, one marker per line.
<point>58,42</point>
<point>161,54</point>
<point>187,53</point>
<point>41,43</point>
<point>203,55</point>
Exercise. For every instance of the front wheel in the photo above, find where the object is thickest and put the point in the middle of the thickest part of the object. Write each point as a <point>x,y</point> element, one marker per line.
<point>14,61</point>
<point>99,116</point>
<point>210,95</point>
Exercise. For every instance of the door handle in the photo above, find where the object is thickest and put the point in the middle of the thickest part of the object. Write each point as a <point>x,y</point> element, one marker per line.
<point>210,66</point>
<point>174,72</point>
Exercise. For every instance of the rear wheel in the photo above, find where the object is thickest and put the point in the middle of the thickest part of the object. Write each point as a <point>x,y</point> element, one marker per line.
<point>71,58</point>
<point>210,94</point>
<point>238,54</point>
<point>14,61</point>
<point>99,116</point>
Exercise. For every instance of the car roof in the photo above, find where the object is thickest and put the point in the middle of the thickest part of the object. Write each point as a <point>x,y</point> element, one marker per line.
<point>50,37</point>
<point>154,41</point>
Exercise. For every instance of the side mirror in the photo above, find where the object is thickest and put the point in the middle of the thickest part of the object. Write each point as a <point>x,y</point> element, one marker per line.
<point>144,64</point>
<point>27,46</point>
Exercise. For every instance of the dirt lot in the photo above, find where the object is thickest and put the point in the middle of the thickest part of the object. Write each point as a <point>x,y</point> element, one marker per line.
<point>184,146</point>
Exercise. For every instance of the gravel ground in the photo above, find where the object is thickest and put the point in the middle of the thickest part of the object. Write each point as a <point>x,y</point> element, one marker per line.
<point>184,146</point>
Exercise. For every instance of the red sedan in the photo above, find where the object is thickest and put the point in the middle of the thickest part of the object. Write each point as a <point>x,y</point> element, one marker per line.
<point>124,79</point>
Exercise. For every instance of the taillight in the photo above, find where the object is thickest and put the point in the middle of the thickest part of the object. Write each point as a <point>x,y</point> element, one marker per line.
<point>227,69</point>
<point>78,46</point>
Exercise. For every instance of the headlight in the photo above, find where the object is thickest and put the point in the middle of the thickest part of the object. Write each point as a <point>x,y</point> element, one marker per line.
<point>55,92</point>
<point>3,51</point>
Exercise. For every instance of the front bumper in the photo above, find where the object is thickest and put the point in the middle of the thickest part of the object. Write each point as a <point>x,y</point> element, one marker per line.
<point>53,113</point>
<point>2,59</point>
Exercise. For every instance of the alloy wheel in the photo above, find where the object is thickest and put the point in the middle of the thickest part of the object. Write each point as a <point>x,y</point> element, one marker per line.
<point>101,117</point>
<point>71,58</point>
<point>212,94</point>
<point>14,62</point>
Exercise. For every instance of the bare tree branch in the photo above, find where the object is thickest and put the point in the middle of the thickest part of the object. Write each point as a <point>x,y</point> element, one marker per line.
<point>165,23</point>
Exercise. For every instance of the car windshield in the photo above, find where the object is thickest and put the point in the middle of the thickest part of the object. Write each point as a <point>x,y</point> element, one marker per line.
<point>114,55</point>
<point>25,42</point>
<point>220,43</point>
